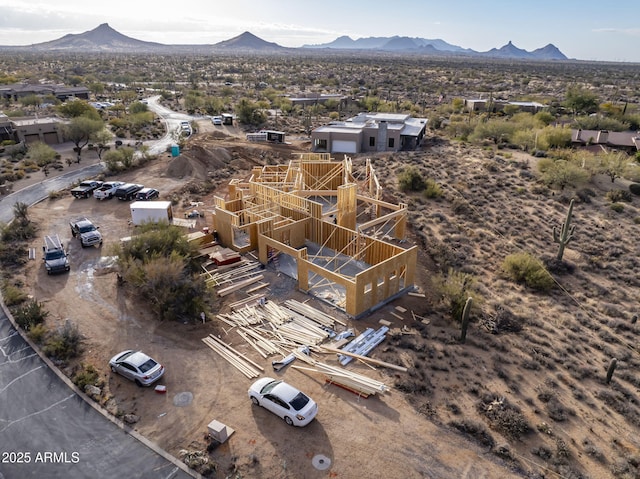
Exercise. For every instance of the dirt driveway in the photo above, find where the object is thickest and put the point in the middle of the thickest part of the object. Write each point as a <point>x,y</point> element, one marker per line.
<point>380,436</point>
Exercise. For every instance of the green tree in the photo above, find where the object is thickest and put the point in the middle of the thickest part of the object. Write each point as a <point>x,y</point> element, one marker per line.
<point>101,138</point>
<point>79,131</point>
<point>77,108</point>
<point>581,101</point>
<point>614,165</point>
<point>138,107</point>
<point>562,173</point>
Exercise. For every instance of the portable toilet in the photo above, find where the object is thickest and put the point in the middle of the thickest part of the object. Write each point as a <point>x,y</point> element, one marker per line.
<point>175,150</point>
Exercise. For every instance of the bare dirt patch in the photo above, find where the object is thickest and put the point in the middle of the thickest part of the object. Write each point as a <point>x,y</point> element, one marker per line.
<point>510,402</point>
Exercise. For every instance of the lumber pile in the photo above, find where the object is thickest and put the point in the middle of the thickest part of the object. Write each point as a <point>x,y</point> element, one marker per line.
<point>238,360</point>
<point>352,381</point>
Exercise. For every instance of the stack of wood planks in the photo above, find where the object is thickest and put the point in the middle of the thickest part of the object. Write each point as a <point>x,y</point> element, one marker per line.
<point>229,278</point>
<point>242,363</point>
<point>352,381</point>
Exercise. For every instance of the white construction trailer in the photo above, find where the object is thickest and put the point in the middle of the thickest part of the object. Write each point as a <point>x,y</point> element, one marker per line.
<point>151,212</point>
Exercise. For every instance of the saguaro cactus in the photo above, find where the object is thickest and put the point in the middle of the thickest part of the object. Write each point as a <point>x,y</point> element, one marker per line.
<point>612,368</point>
<point>465,319</point>
<point>565,235</point>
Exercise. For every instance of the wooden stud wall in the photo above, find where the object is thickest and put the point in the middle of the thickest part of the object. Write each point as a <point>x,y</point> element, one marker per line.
<point>283,221</point>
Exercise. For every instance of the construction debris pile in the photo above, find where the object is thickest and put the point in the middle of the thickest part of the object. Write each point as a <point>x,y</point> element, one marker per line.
<point>295,330</point>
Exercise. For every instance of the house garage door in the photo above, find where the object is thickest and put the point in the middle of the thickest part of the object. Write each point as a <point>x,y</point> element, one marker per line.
<point>28,139</point>
<point>343,146</point>
<point>51,138</point>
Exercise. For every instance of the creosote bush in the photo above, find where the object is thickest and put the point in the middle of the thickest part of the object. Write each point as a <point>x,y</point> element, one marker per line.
<point>432,189</point>
<point>87,375</point>
<point>411,180</point>
<point>525,268</point>
<point>63,343</point>
<point>30,314</point>
<point>454,289</point>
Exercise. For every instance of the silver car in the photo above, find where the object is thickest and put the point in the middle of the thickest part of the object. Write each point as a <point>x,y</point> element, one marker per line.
<point>137,366</point>
<point>282,399</point>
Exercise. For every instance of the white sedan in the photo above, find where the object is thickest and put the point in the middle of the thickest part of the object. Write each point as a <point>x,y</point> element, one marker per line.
<point>282,399</point>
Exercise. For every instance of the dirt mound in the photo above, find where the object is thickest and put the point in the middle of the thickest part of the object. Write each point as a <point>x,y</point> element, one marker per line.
<point>198,161</point>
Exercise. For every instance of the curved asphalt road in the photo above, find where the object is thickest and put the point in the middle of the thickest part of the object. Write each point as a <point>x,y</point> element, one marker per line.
<point>46,429</point>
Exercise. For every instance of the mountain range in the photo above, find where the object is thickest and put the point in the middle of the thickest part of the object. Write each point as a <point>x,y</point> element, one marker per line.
<point>105,39</point>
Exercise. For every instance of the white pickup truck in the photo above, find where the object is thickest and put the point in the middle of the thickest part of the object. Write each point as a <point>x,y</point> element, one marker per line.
<point>107,190</point>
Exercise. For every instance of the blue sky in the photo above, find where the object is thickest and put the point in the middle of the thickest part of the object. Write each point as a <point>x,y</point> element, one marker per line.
<point>584,30</point>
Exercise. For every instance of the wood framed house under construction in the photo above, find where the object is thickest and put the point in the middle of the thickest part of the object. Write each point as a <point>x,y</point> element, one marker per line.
<point>323,225</point>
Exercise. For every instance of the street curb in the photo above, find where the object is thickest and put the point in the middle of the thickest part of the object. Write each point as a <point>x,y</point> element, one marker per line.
<point>136,435</point>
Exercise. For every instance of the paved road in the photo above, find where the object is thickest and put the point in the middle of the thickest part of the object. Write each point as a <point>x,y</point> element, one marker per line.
<point>34,193</point>
<point>41,416</point>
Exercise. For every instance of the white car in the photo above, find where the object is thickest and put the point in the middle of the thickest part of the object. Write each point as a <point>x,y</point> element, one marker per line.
<point>282,399</point>
<point>216,120</point>
<point>137,366</point>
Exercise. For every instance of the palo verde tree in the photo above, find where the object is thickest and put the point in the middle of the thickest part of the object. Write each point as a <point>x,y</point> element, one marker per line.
<point>581,101</point>
<point>614,165</point>
<point>80,130</point>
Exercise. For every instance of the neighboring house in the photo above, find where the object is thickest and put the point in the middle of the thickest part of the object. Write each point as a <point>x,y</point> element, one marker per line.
<point>306,99</point>
<point>31,130</point>
<point>61,92</point>
<point>370,132</point>
<point>494,106</point>
<point>6,128</point>
<point>628,141</point>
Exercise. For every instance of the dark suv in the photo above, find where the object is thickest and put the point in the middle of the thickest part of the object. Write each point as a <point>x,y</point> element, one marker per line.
<point>147,194</point>
<point>128,191</point>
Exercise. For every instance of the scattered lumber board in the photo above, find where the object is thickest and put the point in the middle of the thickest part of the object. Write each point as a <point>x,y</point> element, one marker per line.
<point>238,360</point>
<point>366,359</point>
<point>239,285</point>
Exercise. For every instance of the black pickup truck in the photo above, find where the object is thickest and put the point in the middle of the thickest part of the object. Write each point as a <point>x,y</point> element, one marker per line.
<point>85,188</point>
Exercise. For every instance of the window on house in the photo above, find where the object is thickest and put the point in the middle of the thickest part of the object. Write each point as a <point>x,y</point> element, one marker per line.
<point>392,142</point>
<point>372,141</point>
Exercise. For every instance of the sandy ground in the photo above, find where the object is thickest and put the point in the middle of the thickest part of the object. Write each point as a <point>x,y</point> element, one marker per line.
<point>559,357</point>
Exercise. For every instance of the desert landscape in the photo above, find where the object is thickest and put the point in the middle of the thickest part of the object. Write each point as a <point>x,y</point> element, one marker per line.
<point>524,396</point>
<point>543,379</point>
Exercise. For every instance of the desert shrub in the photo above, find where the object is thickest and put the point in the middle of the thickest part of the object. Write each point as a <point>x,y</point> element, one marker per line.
<point>156,263</point>
<point>618,195</point>
<point>411,180</point>
<point>504,417</point>
<point>476,431</point>
<point>37,333</point>
<point>12,294</point>
<point>30,314</point>
<point>432,189</point>
<point>617,207</point>
<point>55,195</point>
<point>525,268</point>
<point>454,289</point>
<point>634,188</point>
<point>85,376</point>
<point>64,343</point>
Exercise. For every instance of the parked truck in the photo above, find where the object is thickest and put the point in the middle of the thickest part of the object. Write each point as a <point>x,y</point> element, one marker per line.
<point>56,259</point>
<point>85,188</point>
<point>86,231</point>
<point>107,190</point>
